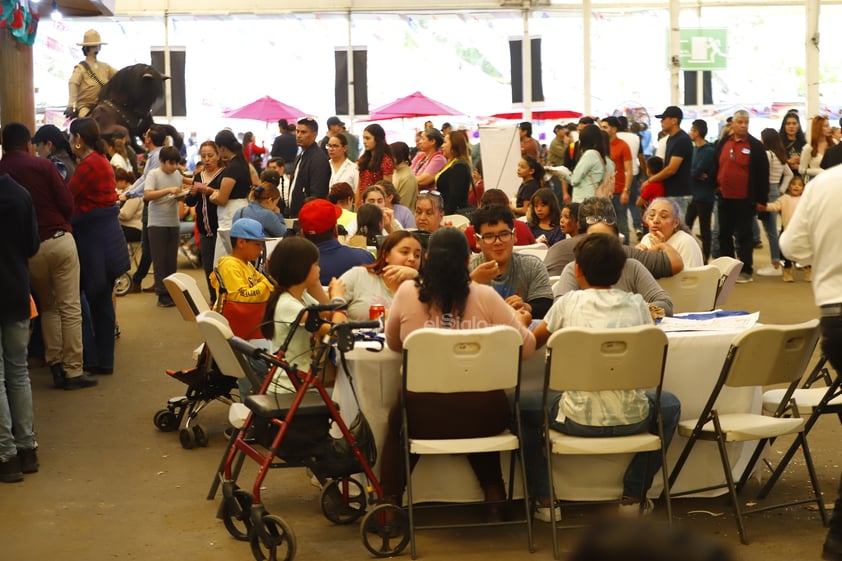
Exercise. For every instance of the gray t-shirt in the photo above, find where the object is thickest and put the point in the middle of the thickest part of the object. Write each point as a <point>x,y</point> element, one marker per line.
<point>561,253</point>
<point>163,211</point>
<point>525,276</point>
<point>635,278</point>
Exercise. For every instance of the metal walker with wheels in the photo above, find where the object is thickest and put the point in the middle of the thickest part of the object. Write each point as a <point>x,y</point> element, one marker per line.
<point>293,427</point>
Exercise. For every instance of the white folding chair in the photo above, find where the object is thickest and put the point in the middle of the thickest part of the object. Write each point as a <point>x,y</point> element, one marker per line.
<point>525,248</point>
<point>537,252</point>
<point>730,269</point>
<point>692,290</point>
<point>447,361</point>
<point>761,356</point>
<point>457,221</point>
<point>592,360</point>
<point>216,332</point>
<point>187,296</point>
<point>812,402</point>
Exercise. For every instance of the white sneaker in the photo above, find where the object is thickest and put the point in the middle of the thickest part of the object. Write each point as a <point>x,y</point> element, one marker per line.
<point>770,272</point>
<point>632,510</point>
<point>543,514</point>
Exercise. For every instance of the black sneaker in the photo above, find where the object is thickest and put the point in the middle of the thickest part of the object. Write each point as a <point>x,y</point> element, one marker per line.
<point>10,470</point>
<point>57,370</point>
<point>79,382</point>
<point>28,460</point>
<point>165,302</point>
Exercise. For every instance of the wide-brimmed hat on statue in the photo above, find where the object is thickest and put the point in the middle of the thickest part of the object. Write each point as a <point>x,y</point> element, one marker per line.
<point>91,39</point>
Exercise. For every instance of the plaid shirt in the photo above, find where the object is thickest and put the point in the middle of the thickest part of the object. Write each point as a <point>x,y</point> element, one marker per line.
<point>93,185</point>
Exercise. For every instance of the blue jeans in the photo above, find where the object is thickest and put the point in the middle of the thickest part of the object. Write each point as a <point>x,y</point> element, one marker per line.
<point>15,390</point>
<point>633,482</point>
<point>621,211</point>
<point>770,224</point>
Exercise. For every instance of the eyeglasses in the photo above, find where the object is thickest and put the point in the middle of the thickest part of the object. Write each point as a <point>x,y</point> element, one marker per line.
<point>329,146</point>
<point>503,236</point>
<point>590,220</point>
<point>432,192</point>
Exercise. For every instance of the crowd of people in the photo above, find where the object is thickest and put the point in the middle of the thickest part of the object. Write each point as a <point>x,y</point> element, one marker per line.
<point>371,227</point>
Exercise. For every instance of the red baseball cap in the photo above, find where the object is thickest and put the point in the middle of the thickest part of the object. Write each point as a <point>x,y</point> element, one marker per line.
<point>318,216</point>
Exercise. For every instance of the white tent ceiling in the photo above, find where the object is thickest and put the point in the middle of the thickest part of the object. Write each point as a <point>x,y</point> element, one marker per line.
<point>215,7</point>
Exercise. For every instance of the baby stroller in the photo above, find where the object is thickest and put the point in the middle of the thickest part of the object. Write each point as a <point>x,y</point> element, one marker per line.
<point>124,282</point>
<point>295,428</point>
<point>205,383</point>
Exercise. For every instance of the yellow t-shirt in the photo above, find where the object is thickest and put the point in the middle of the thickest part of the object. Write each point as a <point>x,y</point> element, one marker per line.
<point>243,282</point>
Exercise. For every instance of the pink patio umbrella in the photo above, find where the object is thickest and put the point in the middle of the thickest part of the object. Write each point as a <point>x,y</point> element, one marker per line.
<point>540,115</point>
<point>413,105</point>
<point>265,109</point>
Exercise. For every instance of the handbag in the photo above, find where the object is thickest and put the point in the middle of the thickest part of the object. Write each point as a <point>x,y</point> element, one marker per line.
<point>605,189</point>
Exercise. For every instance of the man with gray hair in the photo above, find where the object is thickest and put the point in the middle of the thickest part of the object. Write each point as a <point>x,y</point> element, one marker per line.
<point>741,172</point>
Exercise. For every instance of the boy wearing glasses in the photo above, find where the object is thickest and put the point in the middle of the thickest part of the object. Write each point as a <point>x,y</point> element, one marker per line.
<point>521,279</point>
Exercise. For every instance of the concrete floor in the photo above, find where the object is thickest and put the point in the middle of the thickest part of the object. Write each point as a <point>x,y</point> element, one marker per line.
<point>111,487</point>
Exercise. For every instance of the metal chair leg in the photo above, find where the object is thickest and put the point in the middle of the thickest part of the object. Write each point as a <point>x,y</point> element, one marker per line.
<point>726,467</point>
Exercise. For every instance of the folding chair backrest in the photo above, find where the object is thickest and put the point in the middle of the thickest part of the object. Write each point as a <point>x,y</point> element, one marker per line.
<point>588,359</point>
<point>692,290</point>
<point>540,253</point>
<point>462,360</point>
<point>186,294</point>
<point>729,269</point>
<point>457,221</point>
<point>771,354</point>
<point>536,245</point>
<point>216,333</point>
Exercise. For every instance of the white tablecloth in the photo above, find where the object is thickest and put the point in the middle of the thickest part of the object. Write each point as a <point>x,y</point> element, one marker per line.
<point>693,364</point>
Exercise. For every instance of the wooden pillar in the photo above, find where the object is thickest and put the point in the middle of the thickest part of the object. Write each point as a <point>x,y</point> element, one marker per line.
<point>17,98</point>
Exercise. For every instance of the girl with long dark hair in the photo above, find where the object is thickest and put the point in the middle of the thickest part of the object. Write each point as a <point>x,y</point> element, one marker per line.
<point>103,255</point>
<point>398,259</point>
<point>294,266</point>
<point>376,163</point>
<point>780,175</point>
<point>591,168</point>
<point>443,296</point>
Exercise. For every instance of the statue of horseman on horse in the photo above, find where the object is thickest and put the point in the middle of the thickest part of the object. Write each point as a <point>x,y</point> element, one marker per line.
<point>116,100</point>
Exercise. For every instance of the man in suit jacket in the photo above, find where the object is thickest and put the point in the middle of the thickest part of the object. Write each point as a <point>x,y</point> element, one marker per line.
<point>311,173</point>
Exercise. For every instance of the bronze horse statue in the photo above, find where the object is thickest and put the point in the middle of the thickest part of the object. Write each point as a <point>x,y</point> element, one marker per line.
<point>125,102</point>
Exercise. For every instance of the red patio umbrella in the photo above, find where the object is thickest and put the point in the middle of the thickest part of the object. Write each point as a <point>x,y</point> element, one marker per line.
<point>540,115</point>
<point>266,109</point>
<point>413,105</point>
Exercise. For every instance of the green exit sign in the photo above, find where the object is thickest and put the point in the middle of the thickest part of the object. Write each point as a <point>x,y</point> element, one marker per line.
<point>703,49</point>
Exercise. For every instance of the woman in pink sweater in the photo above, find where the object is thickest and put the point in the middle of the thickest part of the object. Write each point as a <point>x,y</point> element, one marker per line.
<point>443,296</point>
